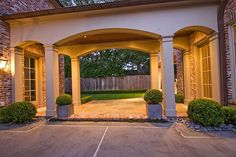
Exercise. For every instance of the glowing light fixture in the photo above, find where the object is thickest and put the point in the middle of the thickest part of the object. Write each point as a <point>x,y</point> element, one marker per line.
<point>3,62</point>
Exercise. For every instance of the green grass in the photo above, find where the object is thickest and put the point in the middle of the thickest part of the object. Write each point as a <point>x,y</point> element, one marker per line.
<point>114,96</point>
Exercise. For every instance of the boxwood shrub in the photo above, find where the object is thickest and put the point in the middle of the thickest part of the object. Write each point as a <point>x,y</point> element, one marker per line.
<point>230,114</point>
<point>153,96</point>
<point>86,99</point>
<point>179,98</point>
<point>63,100</point>
<point>206,112</point>
<point>19,112</point>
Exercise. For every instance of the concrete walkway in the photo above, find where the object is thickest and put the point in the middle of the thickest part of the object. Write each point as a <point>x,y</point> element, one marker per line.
<point>83,139</point>
<point>120,108</point>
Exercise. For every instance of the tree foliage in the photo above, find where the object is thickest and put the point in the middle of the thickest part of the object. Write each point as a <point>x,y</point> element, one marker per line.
<point>113,62</point>
<point>70,3</point>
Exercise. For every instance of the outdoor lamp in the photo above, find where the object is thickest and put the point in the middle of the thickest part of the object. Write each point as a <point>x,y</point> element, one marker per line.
<point>3,62</point>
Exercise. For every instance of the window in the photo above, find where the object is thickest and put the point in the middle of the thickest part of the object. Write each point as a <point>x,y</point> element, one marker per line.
<point>206,71</point>
<point>29,79</point>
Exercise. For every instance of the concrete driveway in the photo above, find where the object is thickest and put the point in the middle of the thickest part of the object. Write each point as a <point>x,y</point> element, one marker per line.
<point>83,139</point>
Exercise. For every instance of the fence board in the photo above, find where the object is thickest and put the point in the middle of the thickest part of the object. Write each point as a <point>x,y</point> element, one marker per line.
<point>111,83</point>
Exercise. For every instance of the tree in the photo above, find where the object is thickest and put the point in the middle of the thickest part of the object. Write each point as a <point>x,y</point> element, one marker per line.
<point>113,62</point>
<point>70,3</point>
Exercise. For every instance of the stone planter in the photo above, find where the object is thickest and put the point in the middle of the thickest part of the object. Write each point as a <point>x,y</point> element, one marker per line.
<point>154,111</point>
<point>65,111</point>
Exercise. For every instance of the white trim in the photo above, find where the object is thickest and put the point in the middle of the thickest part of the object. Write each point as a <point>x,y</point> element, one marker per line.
<point>232,51</point>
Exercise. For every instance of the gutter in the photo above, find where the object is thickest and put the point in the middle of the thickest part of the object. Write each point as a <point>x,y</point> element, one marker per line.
<point>223,65</point>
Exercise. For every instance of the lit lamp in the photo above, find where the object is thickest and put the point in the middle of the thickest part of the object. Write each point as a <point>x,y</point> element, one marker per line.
<point>3,62</point>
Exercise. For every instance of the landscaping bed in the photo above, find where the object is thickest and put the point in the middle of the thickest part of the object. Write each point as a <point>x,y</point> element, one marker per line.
<point>200,128</point>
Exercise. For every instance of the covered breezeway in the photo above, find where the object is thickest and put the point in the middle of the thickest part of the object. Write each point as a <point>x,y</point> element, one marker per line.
<point>156,29</point>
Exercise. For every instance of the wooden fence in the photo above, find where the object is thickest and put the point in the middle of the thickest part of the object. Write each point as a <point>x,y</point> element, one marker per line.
<point>112,83</point>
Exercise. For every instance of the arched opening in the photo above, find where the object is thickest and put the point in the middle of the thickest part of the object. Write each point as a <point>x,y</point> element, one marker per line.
<point>200,62</point>
<point>115,79</point>
<point>92,43</point>
<point>28,72</point>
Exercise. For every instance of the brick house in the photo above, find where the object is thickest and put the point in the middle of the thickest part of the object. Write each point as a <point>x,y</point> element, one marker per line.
<point>202,31</point>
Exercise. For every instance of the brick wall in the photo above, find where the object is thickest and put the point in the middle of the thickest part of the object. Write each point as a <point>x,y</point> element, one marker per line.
<point>230,15</point>
<point>13,7</point>
<point>19,6</point>
<point>180,71</point>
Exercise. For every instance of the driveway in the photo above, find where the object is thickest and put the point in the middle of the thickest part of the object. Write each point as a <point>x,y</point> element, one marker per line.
<point>90,139</point>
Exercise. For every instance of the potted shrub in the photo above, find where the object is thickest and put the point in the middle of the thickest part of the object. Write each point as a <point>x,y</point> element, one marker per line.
<point>64,106</point>
<point>153,98</point>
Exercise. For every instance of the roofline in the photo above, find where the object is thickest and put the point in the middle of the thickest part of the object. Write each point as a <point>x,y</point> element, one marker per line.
<point>93,7</point>
<point>56,3</point>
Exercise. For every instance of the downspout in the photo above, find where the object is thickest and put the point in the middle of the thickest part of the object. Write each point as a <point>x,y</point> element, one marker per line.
<point>223,66</point>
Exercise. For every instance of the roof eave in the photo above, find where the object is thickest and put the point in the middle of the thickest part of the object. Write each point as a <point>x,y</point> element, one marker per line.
<point>94,7</point>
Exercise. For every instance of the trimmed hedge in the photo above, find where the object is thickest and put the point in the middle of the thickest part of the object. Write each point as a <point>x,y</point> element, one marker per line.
<point>229,114</point>
<point>19,112</point>
<point>179,98</point>
<point>63,100</point>
<point>114,91</point>
<point>153,96</point>
<point>86,99</point>
<point>206,112</point>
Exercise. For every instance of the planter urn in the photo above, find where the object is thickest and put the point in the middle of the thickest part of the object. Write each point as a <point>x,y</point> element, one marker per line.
<point>154,111</point>
<point>65,111</point>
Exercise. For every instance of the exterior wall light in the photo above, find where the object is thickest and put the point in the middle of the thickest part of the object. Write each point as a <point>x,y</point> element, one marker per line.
<point>3,62</point>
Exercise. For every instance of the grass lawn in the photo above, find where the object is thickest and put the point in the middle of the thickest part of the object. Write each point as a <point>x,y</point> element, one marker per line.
<point>114,96</point>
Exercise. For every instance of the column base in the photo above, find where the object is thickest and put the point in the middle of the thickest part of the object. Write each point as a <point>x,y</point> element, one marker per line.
<point>50,113</point>
<point>170,113</point>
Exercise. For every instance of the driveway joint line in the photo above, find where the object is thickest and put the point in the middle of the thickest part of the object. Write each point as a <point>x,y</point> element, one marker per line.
<point>100,143</point>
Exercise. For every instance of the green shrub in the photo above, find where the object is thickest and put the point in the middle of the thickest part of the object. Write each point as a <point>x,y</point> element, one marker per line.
<point>63,100</point>
<point>230,114</point>
<point>153,96</point>
<point>179,98</point>
<point>206,112</point>
<point>86,99</point>
<point>19,112</point>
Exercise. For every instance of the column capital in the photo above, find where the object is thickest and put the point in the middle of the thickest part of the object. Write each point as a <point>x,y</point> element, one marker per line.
<point>167,39</point>
<point>50,47</point>
<point>75,59</point>
<point>16,50</point>
<point>213,36</point>
<point>153,54</point>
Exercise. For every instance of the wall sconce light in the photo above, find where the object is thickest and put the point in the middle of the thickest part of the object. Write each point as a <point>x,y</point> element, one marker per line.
<point>3,62</point>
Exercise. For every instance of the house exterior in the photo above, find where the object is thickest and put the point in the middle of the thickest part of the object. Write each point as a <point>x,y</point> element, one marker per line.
<point>202,31</point>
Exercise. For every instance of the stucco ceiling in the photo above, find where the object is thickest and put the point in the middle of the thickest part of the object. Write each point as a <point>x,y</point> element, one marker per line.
<point>105,38</point>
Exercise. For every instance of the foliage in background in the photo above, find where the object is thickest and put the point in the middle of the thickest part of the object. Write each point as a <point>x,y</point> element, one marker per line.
<point>70,3</point>
<point>112,62</point>
<point>179,98</point>
<point>86,99</point>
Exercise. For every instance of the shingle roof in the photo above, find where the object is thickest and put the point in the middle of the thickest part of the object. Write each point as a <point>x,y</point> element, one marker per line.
<point>103,6</point>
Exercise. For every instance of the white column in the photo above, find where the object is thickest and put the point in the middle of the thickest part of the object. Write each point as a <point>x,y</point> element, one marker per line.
<point>154,71</point>
<point>17,74</point>
<point>215,67</point>
<point>75,68</point>
<point>52,79</point>
<point>167,64</point>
